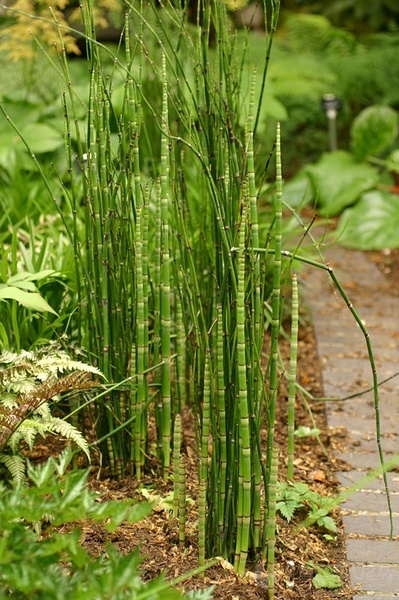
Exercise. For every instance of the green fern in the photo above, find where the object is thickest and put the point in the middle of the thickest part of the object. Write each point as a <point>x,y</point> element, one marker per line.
<point>28,381</point>
<point>15,465</point>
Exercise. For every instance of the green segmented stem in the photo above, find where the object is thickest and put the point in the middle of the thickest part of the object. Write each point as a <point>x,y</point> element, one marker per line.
<point>165,278</point>
<point>180,346</point>
<point>256,325</point>
<point>221,424</point>
<point>275,6</point>
<point>276,303</point>
<point>141,348</point>
<point>271,524</point>
<point>201,522</point>
<point>205,423</point>
<point>292,377</point>
<point>182,501</point>
<point>176,460</point>
<point>244,456</point>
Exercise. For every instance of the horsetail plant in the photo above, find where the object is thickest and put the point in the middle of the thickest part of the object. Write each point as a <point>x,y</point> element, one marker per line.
<point>182,500</point>
<point>271,523</point>
<point>292,378</point>
<point>244,452</point>
<point>201,522</point>
<point>176,461</point>
<point>171,258</point>
<point>276,304</point>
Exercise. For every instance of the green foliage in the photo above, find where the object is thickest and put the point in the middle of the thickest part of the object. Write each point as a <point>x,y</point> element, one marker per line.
<point>325,578</point>
<point>158,196</point>
<point>337,181</point>
<point>22,289</point>
<point>28,382</point>
<point>372,223</point>
<point>304,431</point>
<point>53,564</point>
<point>36,286</point>
<point>373,131</point>
<point>354,183</point>
<point>319,33</point>
<point>292,497</point>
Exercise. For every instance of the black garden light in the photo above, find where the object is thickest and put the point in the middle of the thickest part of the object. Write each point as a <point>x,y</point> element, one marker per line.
<point>331,105</point>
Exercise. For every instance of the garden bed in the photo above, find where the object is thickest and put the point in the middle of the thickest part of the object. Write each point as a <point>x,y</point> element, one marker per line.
<point>297,548</point>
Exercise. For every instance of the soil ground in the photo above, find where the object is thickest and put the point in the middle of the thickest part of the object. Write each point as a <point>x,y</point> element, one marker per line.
<point>296,547</point>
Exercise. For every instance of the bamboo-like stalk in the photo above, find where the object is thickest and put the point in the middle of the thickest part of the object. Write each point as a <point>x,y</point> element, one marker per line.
<point>256,327</point>
<point>201,522</point>
<point>165,278</point>
<point>141,348</point>
<point>205,422</point>
<point>271,523</point>
<point>292,377</point>
<point>244,457</point>
<point>176,462</point>
<point>276,304</point>
<point>221,427</point>
<point>180,353</point>
<point>182,501</point>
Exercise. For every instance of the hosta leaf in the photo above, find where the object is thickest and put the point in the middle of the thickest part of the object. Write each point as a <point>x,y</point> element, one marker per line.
<point>41,138</point>
<point>298,191</point>
<point>338,180</point>
<point>373,131</point>
<point>372,224</point>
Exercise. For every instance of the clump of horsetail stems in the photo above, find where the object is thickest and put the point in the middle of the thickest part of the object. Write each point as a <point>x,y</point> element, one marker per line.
<point>199,202</point>
<point>171,258</point>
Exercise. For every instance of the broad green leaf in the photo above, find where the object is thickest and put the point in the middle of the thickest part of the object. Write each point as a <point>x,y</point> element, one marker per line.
<point>31,300</point>
<point>373,131</point>
<point>30,276</point>
<point>298,191</point>
<point>338,180</point>
<point>20,112</point>
<point>326,579</point>
<point>42,138</point>
<point>372,224</point>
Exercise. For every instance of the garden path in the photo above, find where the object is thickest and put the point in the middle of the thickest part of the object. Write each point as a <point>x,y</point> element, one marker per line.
<point>372,556</point>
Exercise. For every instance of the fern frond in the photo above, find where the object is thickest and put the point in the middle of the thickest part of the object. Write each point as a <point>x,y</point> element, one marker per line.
<point>27,431</point>
<point>16,466</point>
<point>68,431</point>
<point>28,381</point>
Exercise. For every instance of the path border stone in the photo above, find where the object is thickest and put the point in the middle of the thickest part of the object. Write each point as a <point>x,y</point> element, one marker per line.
<point>372,556</point>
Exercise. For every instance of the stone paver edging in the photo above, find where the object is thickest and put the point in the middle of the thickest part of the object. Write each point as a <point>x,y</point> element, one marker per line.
<point>373,558</point>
